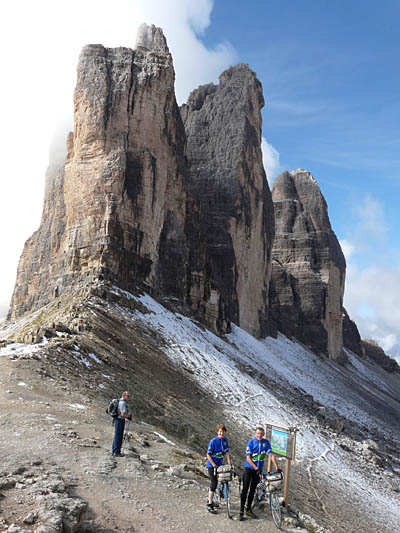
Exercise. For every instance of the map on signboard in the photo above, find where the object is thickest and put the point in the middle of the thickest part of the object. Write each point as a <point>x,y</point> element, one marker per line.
<point>282,440</point>
<point>279,442</point>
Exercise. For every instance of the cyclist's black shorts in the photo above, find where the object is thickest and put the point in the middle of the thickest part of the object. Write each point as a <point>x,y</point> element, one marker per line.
<point>213,479</point>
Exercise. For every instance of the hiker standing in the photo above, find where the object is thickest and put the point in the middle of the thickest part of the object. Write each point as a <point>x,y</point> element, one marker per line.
<point>119,424</point>
<point>256,450</point>
<point>217,449</point>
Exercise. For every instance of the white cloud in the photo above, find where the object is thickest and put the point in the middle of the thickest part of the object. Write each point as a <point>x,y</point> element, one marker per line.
<point>372,292</point>
<point>43,41</point>
<point>271,160</point>
<point>388,342</point>
<point>371,214</point>
<point>371,298</point>
<point>369,228</point>
<point>347,248</point>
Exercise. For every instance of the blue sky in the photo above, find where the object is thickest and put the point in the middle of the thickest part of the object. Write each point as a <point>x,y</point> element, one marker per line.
<point>331,78</point>
<point>330,73</point>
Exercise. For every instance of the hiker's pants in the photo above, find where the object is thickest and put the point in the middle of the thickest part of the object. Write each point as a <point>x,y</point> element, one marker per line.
<point>213,479</point>
<point>119,426</point>
<point>250,479</point>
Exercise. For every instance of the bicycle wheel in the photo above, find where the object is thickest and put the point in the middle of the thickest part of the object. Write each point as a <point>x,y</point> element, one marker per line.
<point>258,497</point>
<point>275,509</point>
<point>227,496</point>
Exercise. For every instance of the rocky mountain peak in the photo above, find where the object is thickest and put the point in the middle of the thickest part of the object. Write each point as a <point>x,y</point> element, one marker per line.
<point>308,270</point>
<point>116,210</point>
<point>301,171</point>
<point>237,83</point>
<point>240,73</point>
<point>231,224</point>
<point>300,186</point>
<point>149,37</point>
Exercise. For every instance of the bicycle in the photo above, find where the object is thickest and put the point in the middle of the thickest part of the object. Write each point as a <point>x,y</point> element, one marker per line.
<point>269,484</point>
<point>223,491</point>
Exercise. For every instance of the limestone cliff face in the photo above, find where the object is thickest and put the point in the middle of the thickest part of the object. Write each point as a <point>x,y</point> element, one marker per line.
<point>230,224</point>
<point>308,267</point>
<point>117,208</point>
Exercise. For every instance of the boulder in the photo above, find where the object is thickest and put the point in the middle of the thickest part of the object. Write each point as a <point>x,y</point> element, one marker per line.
<point>29,519</point>
<point>61,512</point>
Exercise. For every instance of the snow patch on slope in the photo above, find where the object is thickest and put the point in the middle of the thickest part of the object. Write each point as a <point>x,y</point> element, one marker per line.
<point>225,368</point>
<point>18,348</point>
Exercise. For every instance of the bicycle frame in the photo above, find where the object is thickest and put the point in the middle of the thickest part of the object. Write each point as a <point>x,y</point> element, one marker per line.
<point>223,492</point>
<point>262,492</point>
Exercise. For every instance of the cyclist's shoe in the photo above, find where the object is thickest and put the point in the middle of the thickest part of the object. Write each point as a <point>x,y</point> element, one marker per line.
<point>118,455</point>
<point>210,508</point>
<point>251,514</point>
<point>216,505</point>
<point>241,517</point>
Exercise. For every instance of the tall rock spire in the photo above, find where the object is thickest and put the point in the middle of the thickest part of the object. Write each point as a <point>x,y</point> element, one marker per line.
<point>230,226</point>
<point>308,266</point>
<point>117,208</point>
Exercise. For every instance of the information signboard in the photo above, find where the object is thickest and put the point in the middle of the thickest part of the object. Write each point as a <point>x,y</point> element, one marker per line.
<point>282,440</point>
<point>283,444</point>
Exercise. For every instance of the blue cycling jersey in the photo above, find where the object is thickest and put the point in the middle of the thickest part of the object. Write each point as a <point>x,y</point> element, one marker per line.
<point>257,450</point>
<point>217,449</point>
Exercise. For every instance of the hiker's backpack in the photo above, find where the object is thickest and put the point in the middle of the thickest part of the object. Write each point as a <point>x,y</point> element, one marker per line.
<point>112,408</point>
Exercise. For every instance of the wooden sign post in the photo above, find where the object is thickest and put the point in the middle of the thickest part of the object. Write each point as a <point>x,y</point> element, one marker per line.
<point>283,444</point>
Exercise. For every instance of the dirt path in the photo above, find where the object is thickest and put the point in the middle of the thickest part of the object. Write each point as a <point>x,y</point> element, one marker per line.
<point>52,434</point>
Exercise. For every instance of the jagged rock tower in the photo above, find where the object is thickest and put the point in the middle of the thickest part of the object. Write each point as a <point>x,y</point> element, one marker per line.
<point>308,266</point>
<point>230,225</point>
<point>117,208</point>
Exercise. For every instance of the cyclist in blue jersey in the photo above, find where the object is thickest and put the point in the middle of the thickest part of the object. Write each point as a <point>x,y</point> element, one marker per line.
<point>217,450</point>
<point>256,450</point>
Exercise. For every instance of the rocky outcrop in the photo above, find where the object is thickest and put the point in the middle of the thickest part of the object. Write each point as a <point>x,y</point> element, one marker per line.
<point>376,354</point>
<point>116,210</point>
<point>351,336</point>
<point>230,226</point>
<point>308,267</point>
